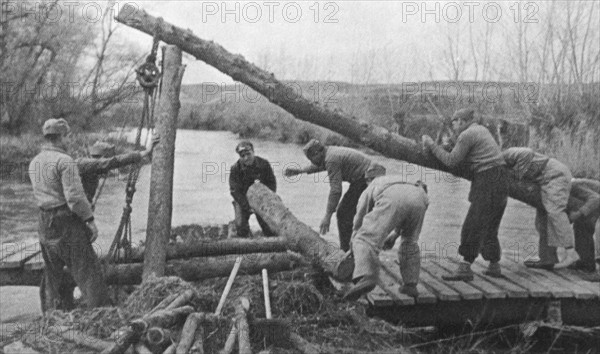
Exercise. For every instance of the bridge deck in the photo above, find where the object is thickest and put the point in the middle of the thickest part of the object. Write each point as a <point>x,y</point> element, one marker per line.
<point>521,294</point>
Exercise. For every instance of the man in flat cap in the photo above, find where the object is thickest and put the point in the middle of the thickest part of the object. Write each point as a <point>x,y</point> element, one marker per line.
<point>66,224</point>
<point>478,154</point>
<point>247,169</point>
<point>389,208</point>
<point>103,159</point>
<point>342,165</point>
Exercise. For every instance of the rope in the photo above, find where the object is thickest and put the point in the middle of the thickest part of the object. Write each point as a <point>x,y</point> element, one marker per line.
<point>149,78</point>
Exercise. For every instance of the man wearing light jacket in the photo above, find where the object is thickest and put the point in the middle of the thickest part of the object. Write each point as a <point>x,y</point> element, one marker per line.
<point>66,224</point>
<point>342,165</point>
<point>388,204</point>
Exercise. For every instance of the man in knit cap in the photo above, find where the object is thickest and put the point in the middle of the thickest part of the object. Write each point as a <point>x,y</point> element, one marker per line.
<point>244,172</point>
<point>477,151</point>
<point>66,224</point>
<point>551,222</point>
<point>342,165</point>
<point>102,160</point>
<point>389,208</point>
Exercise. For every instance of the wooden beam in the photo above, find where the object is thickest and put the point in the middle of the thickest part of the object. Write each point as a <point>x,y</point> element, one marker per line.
<point>160,207</point>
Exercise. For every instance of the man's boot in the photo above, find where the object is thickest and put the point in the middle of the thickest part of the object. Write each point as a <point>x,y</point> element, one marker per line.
<point>462,273</point>
<point>570,258</point>
<point>410,290</point>
<point>493,270</point>
<point>363,286</point>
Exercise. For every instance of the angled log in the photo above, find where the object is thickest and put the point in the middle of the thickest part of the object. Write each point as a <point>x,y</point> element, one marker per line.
<point>181,300</point>
<point>372,136</point>
<point>241,311</point>
<point>188,333</point>
<point>301,237</point>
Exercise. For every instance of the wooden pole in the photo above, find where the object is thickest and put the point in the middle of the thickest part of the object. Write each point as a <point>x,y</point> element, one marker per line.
<point>160,206</point>
<point>375,137</point>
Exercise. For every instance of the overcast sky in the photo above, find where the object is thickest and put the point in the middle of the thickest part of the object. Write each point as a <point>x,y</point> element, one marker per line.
<point>354,41</point>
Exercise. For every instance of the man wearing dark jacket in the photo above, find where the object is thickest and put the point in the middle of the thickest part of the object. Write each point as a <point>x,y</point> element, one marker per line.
<point>102,160</point>
<point>244,172</point>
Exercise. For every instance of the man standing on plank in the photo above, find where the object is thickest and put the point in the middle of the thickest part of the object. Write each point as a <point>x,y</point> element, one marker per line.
<point>388,204</point>
<point>66,224</point>
<point>552,222</point>
<point>477,151</point>
<point>342,165</point>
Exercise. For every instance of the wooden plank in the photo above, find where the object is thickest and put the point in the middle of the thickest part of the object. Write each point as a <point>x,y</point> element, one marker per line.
<point>425,296</point>
<point>512,290</point>
<point>390,286</point>
<point>557,291</point>
<point>489,290</point>
<point>573,277</point>
<point>378,297</point>
<point>465,290</point>
<point>578,291</point>
<point>438,287</point>
<point>535,289</point>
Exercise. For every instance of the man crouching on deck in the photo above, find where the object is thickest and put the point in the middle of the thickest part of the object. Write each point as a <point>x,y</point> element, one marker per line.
<point>387,204</point>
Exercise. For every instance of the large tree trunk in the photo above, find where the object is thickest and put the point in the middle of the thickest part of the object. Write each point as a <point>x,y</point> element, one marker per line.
<point>301,237</point>
<point>204,268</point>
<point>190,269</point>
<point>160,207</point>
<point>216,248</point>
<point>372,136</point>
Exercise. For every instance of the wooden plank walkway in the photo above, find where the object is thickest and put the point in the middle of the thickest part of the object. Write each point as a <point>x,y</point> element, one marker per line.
<point>521,294</point>
<point>517,282</point>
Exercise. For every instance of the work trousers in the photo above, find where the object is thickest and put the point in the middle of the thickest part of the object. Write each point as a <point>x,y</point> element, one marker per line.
<point>583,229</point>
<point>400,207</point>
<point>555,189</point>
<point>346,211</point>
<point>488,197</point>
<point>69,260</point>
<point>242,225</point>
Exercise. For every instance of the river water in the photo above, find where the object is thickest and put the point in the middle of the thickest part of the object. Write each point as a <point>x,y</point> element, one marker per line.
<point>201,196</point>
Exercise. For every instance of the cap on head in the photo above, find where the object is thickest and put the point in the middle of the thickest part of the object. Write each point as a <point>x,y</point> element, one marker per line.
<point>313,147</point>
<point>374,171</point>
<point>244,146</point>
<point>101,148</point>
<point>58,126</point>
<point>465,114</point>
